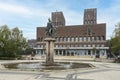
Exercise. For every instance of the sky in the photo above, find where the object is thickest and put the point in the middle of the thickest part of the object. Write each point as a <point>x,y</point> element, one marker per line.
<point>29,14</point>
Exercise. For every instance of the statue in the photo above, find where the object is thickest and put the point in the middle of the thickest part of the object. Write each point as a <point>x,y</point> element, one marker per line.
<point>50,29</point>
<point>50,34</point>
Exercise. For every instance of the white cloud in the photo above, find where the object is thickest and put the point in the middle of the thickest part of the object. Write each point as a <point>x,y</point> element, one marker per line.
<point>15,9</point>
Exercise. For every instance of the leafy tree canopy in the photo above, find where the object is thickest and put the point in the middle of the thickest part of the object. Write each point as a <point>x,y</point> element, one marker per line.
<point>115,40</point>
<point>11,41</point>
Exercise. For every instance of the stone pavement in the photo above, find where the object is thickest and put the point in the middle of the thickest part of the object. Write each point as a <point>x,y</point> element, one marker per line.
<point>101,71</point>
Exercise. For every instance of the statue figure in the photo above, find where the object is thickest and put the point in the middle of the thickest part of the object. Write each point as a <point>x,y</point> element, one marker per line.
<point>50,29</point>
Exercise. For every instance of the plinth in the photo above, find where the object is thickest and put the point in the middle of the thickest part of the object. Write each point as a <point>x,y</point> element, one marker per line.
<point>49,50</point>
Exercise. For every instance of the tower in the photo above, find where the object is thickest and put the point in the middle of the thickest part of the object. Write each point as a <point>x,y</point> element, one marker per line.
<point>90,16</point>
<point>58,19</point>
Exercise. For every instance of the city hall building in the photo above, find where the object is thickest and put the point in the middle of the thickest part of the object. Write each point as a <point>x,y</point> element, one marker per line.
<point>88,39</point>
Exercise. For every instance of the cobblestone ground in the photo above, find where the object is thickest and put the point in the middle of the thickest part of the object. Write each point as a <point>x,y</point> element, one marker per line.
<point>101,71</point>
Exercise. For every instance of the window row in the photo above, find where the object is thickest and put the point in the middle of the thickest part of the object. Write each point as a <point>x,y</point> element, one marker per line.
<point>40,46</point>
<point>76,45</point>
<point>80,45</point>
<point>77,39</point>
<point>90,22</point>
<point>80,39</point>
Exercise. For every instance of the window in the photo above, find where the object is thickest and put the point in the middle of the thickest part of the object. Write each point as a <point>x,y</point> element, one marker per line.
<point>97,38</point>
<point>89,45</point>
<point>91,22</point>
<point>41,39</point>
<point>60,46</point>
<point>93,38</point>
<point>101,38</point>
<point>64,39</point>
<point>98,45</point>
<point>76,39</point>
<point>89,39</point>
<point>38,46</point>
<point>64,46</point>
<point>56,46</point>
<point>89,52</point>
<point>76,45</point>
<point>68,45</point>
<point>68,39</point>
<point>84,45</point>
<point>38,39</point>
<point>80,45</point>
<point>94,21</point>
<point>72,45</point>
<point>93,45</point>
<point>102,45</point>
<point>80,39</point>
<point>60,39</point>
<point>41,46</point>
<point>88,22</point>
<point>57,39</point>
<point>72,39</point>
<point>88,16</point>
<point>84,39</point>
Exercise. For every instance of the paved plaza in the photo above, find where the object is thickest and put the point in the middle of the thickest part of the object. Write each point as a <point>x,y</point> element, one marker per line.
<point>100,71</point>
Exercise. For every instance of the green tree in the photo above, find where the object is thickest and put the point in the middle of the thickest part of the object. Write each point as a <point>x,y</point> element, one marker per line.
<point>11,41</point>
<point>115,40</point>
<point>4,39</point>
<point>18,41</point>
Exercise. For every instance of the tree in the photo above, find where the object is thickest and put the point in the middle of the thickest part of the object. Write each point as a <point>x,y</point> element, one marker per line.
<point>11,41</point>
<point>4,39</point>
<point>115,40</point>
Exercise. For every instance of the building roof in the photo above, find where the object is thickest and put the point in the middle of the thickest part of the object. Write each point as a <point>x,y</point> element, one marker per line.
<point>75,30</point>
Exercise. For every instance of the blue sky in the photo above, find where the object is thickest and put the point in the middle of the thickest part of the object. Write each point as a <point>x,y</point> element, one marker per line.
<point>29,14</point>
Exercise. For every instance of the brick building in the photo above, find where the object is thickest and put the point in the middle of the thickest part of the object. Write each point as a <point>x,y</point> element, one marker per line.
<point>88,39</point>
<point>32,43</point>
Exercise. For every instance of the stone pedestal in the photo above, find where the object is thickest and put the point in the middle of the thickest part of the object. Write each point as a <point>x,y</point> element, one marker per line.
<point>49,50</point>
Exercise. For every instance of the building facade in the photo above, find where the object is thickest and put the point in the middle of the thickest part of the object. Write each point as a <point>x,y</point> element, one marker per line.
<point>87,40</point>
<point>32,43</point>
<point>58,19</point>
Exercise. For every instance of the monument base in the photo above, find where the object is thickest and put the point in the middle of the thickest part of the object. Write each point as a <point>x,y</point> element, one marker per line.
<point>49,51</point>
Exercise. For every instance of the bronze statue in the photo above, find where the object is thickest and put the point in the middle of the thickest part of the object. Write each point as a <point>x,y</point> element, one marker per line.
<point>50,29</point>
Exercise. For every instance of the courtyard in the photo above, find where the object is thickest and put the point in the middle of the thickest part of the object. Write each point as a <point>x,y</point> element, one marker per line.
<point>99,71</point>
